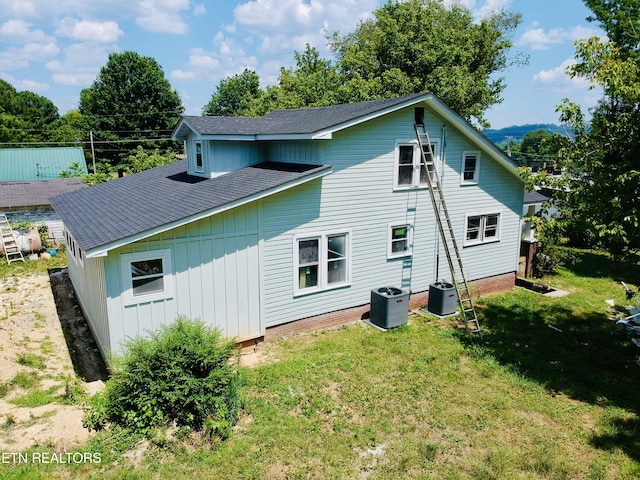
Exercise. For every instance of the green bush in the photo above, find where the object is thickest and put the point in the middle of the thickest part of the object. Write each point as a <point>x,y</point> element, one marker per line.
<point>181,373</point>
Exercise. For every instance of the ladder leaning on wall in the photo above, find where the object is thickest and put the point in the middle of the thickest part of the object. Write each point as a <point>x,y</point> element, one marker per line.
<point>9,243</point>
<point>467,309</point>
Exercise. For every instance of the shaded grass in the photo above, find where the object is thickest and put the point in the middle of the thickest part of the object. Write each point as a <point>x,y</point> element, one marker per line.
<point>424,402</point>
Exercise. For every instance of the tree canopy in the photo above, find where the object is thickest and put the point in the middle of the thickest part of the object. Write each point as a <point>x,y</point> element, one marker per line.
<point>408,47</point>
<point>25,116</point>
<point>130,102</point>
<point>600,191</point>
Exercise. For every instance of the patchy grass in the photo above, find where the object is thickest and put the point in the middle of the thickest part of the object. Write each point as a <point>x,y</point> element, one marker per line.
<point>423,401</point>
<point>31,360</point>
<point>36,398</point>
<point>30,267</point>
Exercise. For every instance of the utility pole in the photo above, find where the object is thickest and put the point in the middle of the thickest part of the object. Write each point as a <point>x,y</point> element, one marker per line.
<point>93,152</point>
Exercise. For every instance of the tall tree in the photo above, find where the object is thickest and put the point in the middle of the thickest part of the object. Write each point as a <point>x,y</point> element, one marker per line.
<point>313,82</point>
<point>602,163</point>
<point>26,116</point>
<point>422,45</point>
<point>234,94</point>
<point>130,102</point>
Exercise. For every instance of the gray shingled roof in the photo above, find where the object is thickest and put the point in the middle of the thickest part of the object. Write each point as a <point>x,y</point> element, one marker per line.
<point>35,193</point>
<point>113,211</point>
<point>291,122</point>
<point>534,196</point>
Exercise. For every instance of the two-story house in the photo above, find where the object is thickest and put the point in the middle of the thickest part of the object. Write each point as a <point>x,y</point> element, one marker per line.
<point>290,219</point>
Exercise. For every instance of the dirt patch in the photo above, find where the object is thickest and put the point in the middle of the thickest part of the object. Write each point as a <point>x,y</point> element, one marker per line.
<point>85,356</point>
<point>36,362</point>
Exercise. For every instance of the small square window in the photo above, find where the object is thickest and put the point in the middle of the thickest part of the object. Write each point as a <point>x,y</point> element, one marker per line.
<point>400,240</point>
<point>146,276</point>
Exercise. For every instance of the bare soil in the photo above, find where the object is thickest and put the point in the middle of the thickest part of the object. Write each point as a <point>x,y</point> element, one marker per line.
<point>44,335</point>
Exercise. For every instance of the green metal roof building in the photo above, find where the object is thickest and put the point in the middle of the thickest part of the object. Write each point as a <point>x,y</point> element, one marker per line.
<point>20,164</point>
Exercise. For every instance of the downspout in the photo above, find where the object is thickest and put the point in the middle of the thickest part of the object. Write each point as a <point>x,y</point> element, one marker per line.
<point>443,139</point>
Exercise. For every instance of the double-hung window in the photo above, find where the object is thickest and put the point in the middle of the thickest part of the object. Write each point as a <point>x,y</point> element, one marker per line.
<point>400,241</point>
<point>321,262</point>
<point>470,167</point>
<point>147,276</point>
<point>482,229</point>
<point>410,171</point>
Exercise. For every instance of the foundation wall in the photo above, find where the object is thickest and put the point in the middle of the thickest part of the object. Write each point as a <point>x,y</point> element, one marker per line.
<point>484,286</point>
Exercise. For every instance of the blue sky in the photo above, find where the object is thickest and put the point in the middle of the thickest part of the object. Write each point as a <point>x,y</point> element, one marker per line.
<point>56,48</point>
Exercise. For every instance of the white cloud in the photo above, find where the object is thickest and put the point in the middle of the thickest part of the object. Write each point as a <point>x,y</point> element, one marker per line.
<point>296,16</point>
<point>163,16</point>
<point>88,31</point>
<point>30,85</point>
<point>19,31</point>
<point>80,65</point>
<point>539,39</point>
<point>200,59</point>
<point>558,80</point>
<point>491,6</point>
<point>199,9</point>
<point>183,75</point>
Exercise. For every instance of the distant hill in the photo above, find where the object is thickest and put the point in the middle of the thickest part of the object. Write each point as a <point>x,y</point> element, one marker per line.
<point>517,132</point>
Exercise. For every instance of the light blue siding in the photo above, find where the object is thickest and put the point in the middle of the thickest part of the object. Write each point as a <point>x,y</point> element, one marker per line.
<point>216,278</point>
<point>89,283</point>
<point>220,157</point>
<point>359,197</point>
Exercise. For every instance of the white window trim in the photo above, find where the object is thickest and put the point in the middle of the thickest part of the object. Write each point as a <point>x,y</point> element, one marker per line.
<point>322,262</point>
<point>481,240</point>
<point>195,156</point>
<point>417,161</point>
<point>406,253</point>
<point>73,249</point>
<point>127,281</point>
<point>476,173</point>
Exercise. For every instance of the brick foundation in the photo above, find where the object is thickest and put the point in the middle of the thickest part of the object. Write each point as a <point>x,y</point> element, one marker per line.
<point>484,286</point>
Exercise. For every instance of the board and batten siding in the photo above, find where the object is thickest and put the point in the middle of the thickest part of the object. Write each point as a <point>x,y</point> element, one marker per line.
<point>89,282</point>
<point>358,198</point>
<point>216,278</point>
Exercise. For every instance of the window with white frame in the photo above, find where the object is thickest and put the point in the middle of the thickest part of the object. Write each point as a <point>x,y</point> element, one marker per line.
<point>482,229</point>
<point>409,170</point>
<point>470,167</point>
<point>199,165</point>
<point>73,250</point>
<point>321,262</point>
<point>147,276</point>
<point>400,240</point>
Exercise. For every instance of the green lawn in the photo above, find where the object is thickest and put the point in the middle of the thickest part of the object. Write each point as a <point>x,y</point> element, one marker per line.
<point>527,401</point>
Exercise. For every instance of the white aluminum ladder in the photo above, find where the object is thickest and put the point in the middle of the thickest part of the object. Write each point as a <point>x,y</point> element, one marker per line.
<point>11,249</point>
<point>458,279</point>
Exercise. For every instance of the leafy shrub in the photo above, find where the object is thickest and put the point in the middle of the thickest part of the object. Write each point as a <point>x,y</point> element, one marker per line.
<point>181,373</point>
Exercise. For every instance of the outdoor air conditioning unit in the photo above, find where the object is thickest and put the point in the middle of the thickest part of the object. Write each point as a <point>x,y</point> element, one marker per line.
<point>389,307</point>
<point>443,299</point>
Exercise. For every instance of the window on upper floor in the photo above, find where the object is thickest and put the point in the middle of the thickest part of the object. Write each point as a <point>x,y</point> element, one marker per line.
<point>147,276</point>
<point>470,168</point>
<point>409,169</point>
<point>400,240</point>
<point>321,262</point>
<point>482,229</point>
<point>199,165</point>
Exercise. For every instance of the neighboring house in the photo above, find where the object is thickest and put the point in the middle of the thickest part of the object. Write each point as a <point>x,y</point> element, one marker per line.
<point>290,220</point>
<point>29,179</point>
<point>20,164</point>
